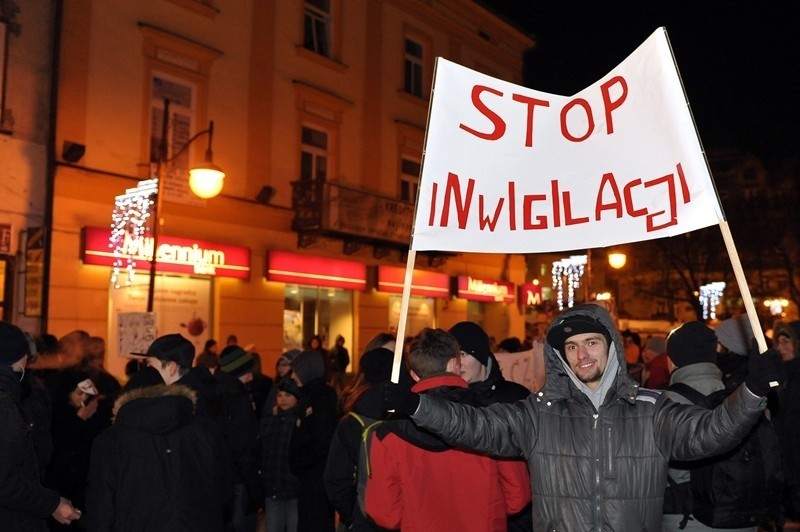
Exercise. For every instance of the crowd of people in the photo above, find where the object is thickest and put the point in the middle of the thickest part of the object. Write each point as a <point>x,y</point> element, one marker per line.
<point>207,441</point>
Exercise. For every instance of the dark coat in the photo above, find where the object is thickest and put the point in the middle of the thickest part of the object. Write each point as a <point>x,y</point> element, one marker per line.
<point>224,399</point>
<point>280,483</point>
<point>159,467</point>
<point>240,426</point>
<point>785,410</point>
<point>24,502</point>
<point>496,389</point>
<point>311,439</point>
<point>343,457</point>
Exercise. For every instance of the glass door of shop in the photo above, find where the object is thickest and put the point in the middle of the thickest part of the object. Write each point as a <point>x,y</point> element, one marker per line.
<point>310,311</point>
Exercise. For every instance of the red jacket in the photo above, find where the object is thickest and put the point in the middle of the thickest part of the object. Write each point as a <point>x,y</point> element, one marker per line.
<point>414,489</point>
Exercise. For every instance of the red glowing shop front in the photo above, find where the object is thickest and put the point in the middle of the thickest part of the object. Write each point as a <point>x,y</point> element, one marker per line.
<point>318,296</point>
<point>182,300</point>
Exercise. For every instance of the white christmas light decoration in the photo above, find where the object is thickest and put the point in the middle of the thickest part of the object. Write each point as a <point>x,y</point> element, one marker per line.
<point>572,268</point>
<point>130,218</point>
<point>710,295</point>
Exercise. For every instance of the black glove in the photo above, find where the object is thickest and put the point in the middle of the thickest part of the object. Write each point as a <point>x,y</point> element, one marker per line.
<point>763,369</point>
<point>399,398</point>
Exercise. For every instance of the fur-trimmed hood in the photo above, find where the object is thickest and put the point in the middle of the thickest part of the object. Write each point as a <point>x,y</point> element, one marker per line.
<point>158,409</point>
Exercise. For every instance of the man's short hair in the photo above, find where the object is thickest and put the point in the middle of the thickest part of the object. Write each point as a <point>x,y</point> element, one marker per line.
<point>430,351</point>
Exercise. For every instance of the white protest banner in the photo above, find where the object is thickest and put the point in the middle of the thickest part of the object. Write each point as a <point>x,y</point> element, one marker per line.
<point>508,169</point>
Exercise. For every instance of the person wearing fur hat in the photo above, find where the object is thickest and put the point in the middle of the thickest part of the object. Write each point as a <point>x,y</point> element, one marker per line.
<point>786,415</point>
<point>159,466</point>
<point>24,503</point>
<point>317,416</point>
<point>479,367</point>
<point>597,445</point>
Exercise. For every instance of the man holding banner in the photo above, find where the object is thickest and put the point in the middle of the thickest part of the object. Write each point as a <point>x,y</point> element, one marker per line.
<point>507,169</point>
<point>597,446</point>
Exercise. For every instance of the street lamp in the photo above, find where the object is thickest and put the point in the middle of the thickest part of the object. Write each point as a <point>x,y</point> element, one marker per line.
<point>205,181</point>
<point>617,260</point>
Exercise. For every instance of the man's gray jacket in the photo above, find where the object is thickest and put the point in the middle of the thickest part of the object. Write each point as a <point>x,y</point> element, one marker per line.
<point>594,469</point>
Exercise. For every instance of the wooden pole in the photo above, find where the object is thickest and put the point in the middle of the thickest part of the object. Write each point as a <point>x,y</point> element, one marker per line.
<point>743,287</point>
<point>401,324</point>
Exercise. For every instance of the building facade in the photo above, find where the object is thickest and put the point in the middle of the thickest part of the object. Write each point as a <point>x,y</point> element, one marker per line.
<point>26,45</point>
<point>319,110</point>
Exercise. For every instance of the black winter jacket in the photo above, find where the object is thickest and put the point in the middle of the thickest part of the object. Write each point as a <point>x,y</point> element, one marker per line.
<point>594,469</point>
<point>24,502</point>
<point>158,467</point>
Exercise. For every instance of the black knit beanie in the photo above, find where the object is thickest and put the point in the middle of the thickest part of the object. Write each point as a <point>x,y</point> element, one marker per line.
<point>691,343</point>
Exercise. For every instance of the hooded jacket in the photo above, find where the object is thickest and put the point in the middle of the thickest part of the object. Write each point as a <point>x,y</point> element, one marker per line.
<point>785,409</point>
<point>598,461</point>
<point>158,467</point>
<point>24,502</point>
<point>420,483</point>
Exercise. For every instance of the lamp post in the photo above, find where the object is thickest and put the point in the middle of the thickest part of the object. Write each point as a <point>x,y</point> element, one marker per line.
<point>205,181</point>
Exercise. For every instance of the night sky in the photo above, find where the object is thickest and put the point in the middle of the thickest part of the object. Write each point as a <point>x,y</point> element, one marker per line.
<point>740,66</point>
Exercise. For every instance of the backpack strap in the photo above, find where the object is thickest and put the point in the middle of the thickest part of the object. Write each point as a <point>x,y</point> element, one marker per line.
<point>366,434</point>
<point>357,418</point>
<point>689,393</point>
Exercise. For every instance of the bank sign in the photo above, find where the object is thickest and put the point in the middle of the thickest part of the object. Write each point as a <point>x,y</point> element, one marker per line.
<point>175,255</point>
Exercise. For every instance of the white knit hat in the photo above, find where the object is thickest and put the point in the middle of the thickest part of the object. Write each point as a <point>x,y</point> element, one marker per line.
<point>735,334</point>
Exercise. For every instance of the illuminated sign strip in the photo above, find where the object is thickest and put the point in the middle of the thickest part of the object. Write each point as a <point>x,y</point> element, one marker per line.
<point>423,283</point>
<point>485,290</point>
<point>286,267</point>
<point>146,261</point>
<point>175,255</point>
<point>388,287</point>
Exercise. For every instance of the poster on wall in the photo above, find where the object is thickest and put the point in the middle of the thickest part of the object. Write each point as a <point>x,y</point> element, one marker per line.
<point>136,331</point>
<point>182,305</point>
<point>292,330</point>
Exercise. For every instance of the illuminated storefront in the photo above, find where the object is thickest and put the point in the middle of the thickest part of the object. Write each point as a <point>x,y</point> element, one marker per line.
<point>318,296</point>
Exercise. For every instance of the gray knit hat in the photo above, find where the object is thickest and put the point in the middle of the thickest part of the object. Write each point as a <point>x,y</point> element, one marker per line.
<point>308,366</point>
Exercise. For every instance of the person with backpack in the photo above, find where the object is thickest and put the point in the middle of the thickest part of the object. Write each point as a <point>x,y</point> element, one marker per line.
<point>343,475</point>
<point>737,490</point>
<point>418,481</point>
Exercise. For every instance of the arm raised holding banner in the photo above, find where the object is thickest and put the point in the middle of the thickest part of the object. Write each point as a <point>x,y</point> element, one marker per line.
<point>597,446</point>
